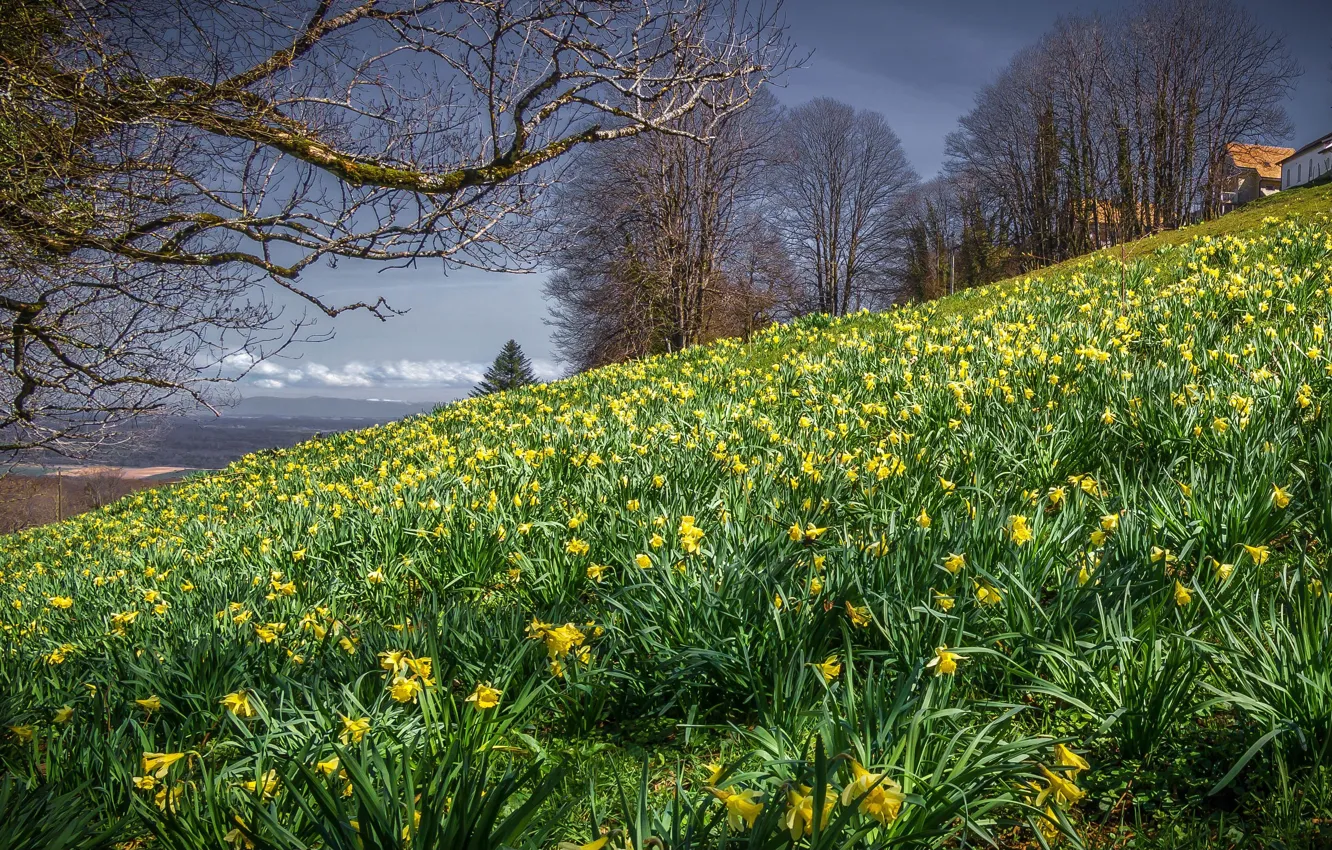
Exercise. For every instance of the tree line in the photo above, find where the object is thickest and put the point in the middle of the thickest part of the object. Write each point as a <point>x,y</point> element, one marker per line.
<point>1106,129</point>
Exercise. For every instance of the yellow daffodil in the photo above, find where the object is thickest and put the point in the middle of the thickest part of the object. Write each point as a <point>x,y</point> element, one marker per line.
<point>1183,596</point>
<point>1280,497</point>
<point>830,668</point>
<point>1018,530</point>
<point>354,730</point>
<point>484,697</point>
<point>944,662</point>
<point>799,818</point>
<point>1258,553</point>
<point>987,594</point>
<point>157,764</point>
<point>238,703</point>
<point>1075,763</point>
<point>404,690</point>
<point>880,798</point>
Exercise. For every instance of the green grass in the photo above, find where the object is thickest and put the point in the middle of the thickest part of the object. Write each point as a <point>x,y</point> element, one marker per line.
<point>741,555</point>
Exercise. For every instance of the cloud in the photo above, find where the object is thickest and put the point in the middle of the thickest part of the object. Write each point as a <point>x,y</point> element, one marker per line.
<point>268,374</point>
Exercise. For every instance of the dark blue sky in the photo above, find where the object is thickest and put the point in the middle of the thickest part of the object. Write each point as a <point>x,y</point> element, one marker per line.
<point>919,63</point>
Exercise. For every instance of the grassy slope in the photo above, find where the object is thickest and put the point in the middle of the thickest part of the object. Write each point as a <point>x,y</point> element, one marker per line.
<point>471,521</point>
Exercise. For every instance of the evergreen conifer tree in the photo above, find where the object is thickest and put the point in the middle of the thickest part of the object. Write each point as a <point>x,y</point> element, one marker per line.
<point>510,370</point>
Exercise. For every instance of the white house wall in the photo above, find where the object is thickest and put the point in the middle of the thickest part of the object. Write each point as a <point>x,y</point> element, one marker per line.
<point>1307,167</point>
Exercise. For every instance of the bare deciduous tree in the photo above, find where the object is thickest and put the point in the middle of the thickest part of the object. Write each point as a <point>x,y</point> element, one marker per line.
<point>206,150</point>
<point>840,181</point>
<point>658,242</point>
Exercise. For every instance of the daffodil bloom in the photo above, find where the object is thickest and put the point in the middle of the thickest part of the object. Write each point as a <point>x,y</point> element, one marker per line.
<point>393,660</point>
<point>1183,596</point>
<point>404,690</point>
<point>1224,571</point>
<point>714,773</point>
<point>596,571</point>
<point>157,764</point>
<point>265,785</point>
<point>327,767</point>
<point>354,730</point>
<point>591,845</point>
<point>1018,530</point>
<point>859,614</point>
<point>1280,497</point>
<point>63,714</point>
<point>830,669</point>
<point>799,819</point>
<point>988,594</point>
<point>944,662</point>
<point>1064,792</point>
<point>238,703</point>
<point>150,704</point>
<point>1110,522</point>
<point>946,485</point>
<point>165,796</point>
<point>1075,763</point>
<point>943,600</point>
<point>643,561</point>
<point>22,732</point>
<point>64,602</point>
<point>954,563</point>
<point>1258,553</point>
<point>923,520</point>
<point>880,798</point>
<point>421,668</point>
<point>484,697</point>
<point>742,807</point>
<point>560,640</point>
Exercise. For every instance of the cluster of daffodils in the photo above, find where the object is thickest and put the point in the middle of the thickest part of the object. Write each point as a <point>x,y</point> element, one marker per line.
<point>407,676</point>
<point>876,796</point>
<point>563,642</point>
<point>1058,790</point>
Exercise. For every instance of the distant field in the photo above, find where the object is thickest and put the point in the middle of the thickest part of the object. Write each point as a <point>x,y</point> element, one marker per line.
<point>159,453</point>
<point>30,497</point>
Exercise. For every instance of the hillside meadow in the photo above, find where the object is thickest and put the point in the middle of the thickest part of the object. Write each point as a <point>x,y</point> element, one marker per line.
<point>1041,564</point>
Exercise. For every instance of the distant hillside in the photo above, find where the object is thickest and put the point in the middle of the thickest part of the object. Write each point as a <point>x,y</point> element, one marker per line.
<point>377,410</point>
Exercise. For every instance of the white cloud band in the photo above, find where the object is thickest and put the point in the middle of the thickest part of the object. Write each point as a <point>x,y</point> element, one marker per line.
<point>389,373</point>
